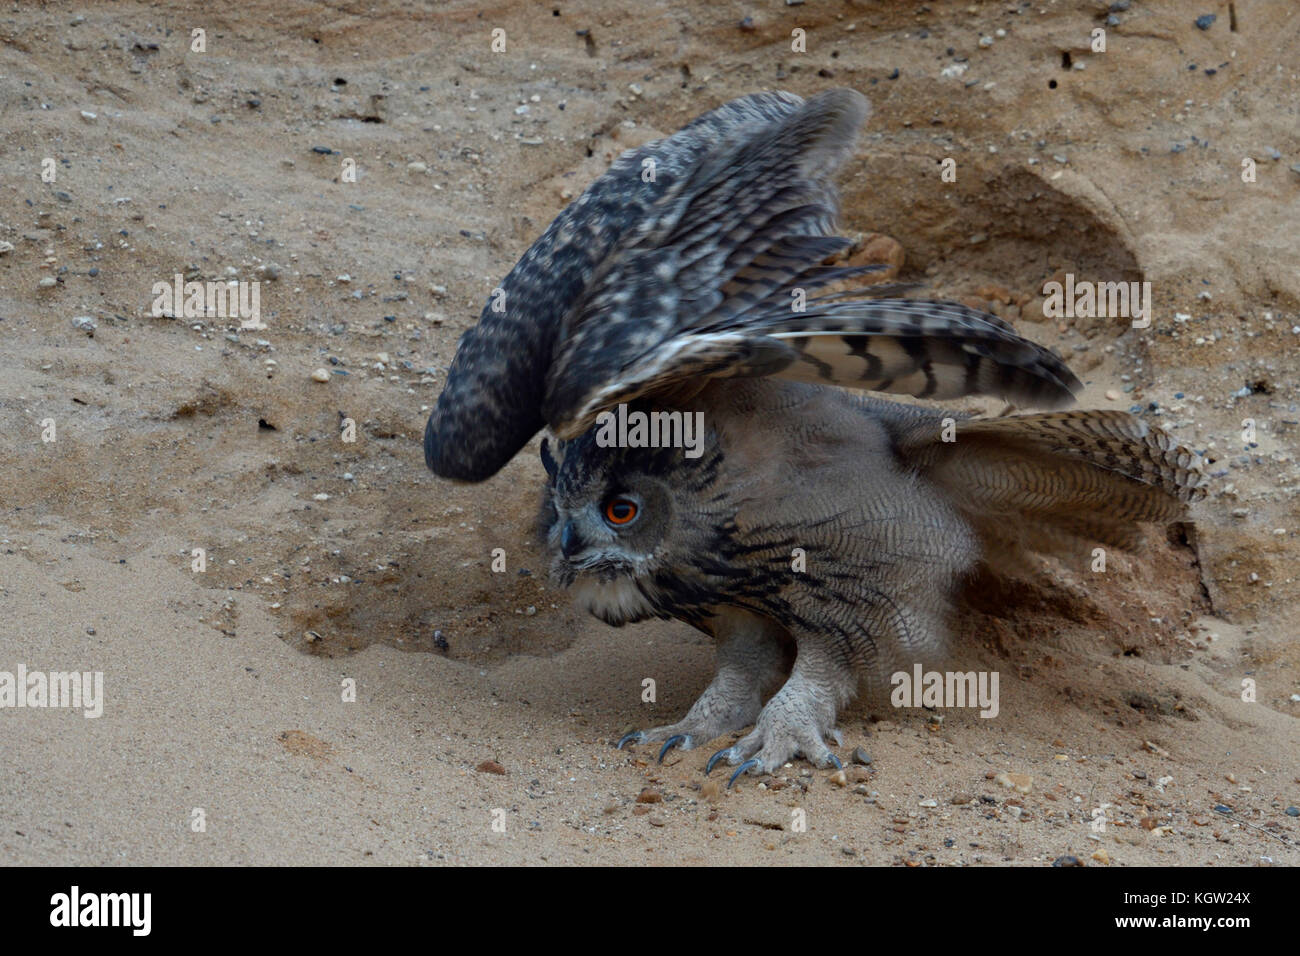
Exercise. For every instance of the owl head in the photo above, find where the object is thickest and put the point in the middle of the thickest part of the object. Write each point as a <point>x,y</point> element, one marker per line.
<point>624,526</point>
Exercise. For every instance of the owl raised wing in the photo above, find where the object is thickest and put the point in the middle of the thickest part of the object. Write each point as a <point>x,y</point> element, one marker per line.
<point>697,257</point>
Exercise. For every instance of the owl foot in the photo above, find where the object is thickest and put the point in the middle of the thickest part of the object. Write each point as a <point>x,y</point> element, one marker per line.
<point>794,723</point>
<point>705,721</point>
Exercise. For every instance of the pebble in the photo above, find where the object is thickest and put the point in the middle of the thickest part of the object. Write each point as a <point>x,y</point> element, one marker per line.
<point>1067,861</point>
<point>320,375</point>
<point>930,802</point>
<point>1020,782</point>
<point>860,756</point>
<point>960,799</point>
<point>85,323</point>
<point>1112,395</point>
<point>649,795</point>
<point>1290,811</point>
<point>839,778</point>
<point>1102,857</point>
<point>49,282</point>
<point>1204,21</point>
<point>417,167</point>
<point>88,116</point>
<point>6,247</point>
<point>491,766</point>
<point>1220,808</point>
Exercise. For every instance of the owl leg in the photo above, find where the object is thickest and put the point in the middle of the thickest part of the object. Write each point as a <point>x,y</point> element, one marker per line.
<point>798,718</point>
<point>751,660</point>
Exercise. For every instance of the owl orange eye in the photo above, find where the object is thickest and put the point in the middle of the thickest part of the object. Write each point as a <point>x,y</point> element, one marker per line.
<point>619,511</point>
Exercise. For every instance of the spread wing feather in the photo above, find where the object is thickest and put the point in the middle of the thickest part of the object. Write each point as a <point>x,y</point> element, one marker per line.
<point>711,270</point>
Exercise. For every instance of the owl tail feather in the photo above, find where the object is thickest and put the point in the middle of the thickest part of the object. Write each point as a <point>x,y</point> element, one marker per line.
<point>1047,482</point>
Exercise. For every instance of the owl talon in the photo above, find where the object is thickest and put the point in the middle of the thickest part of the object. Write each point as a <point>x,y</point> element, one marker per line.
<point>836,761</point>
<point>635,737</point>
<point>751,762</point>
<point>724,753</point>
<point>684,740</point>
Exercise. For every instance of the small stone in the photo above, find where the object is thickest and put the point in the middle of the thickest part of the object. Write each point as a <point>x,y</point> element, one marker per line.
<point>994,293</point>
<point>530,610</point>
<point>49,282</point>
<point>5,247</point>
<point>417,167</point>
<point>960,799</point>
<point>1112,395</point>
<point>1290,811</point>
<point>649,795</point>
<point>1067,861</point>
<point>657,819</point>
<point>861,757</point>
<point>1020,782</point>
<point>491,766</point>
<point>1101,857</point>
<point>928,803</point>
<point>91,632</point>
<point>877,249</point>
<point>1204,21</point>
<point>1221,808</point>
<point>839,778</point>
<point>88,116</point>
<point>86,323</point>
<point>320,375</point>
<point>1032,311</point>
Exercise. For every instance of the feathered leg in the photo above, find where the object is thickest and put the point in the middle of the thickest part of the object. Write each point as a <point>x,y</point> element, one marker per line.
<point>751,660</point>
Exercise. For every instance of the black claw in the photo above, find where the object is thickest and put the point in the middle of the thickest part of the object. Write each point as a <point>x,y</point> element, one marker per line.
<point>635,737</point>
<point>669,744</point>
<point>751,762</point>
<point>708,767</point>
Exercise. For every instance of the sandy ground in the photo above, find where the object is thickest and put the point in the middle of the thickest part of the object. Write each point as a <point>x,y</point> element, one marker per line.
<point>226,736</point>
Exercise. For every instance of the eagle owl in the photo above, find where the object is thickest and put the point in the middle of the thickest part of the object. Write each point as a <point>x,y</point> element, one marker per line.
<point>819,535</point>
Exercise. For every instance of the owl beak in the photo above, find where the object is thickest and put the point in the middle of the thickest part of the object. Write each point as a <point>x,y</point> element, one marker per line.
<point>570,541</point>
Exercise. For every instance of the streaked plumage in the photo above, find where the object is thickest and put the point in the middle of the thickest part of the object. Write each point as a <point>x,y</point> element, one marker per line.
<point>698,292</point>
